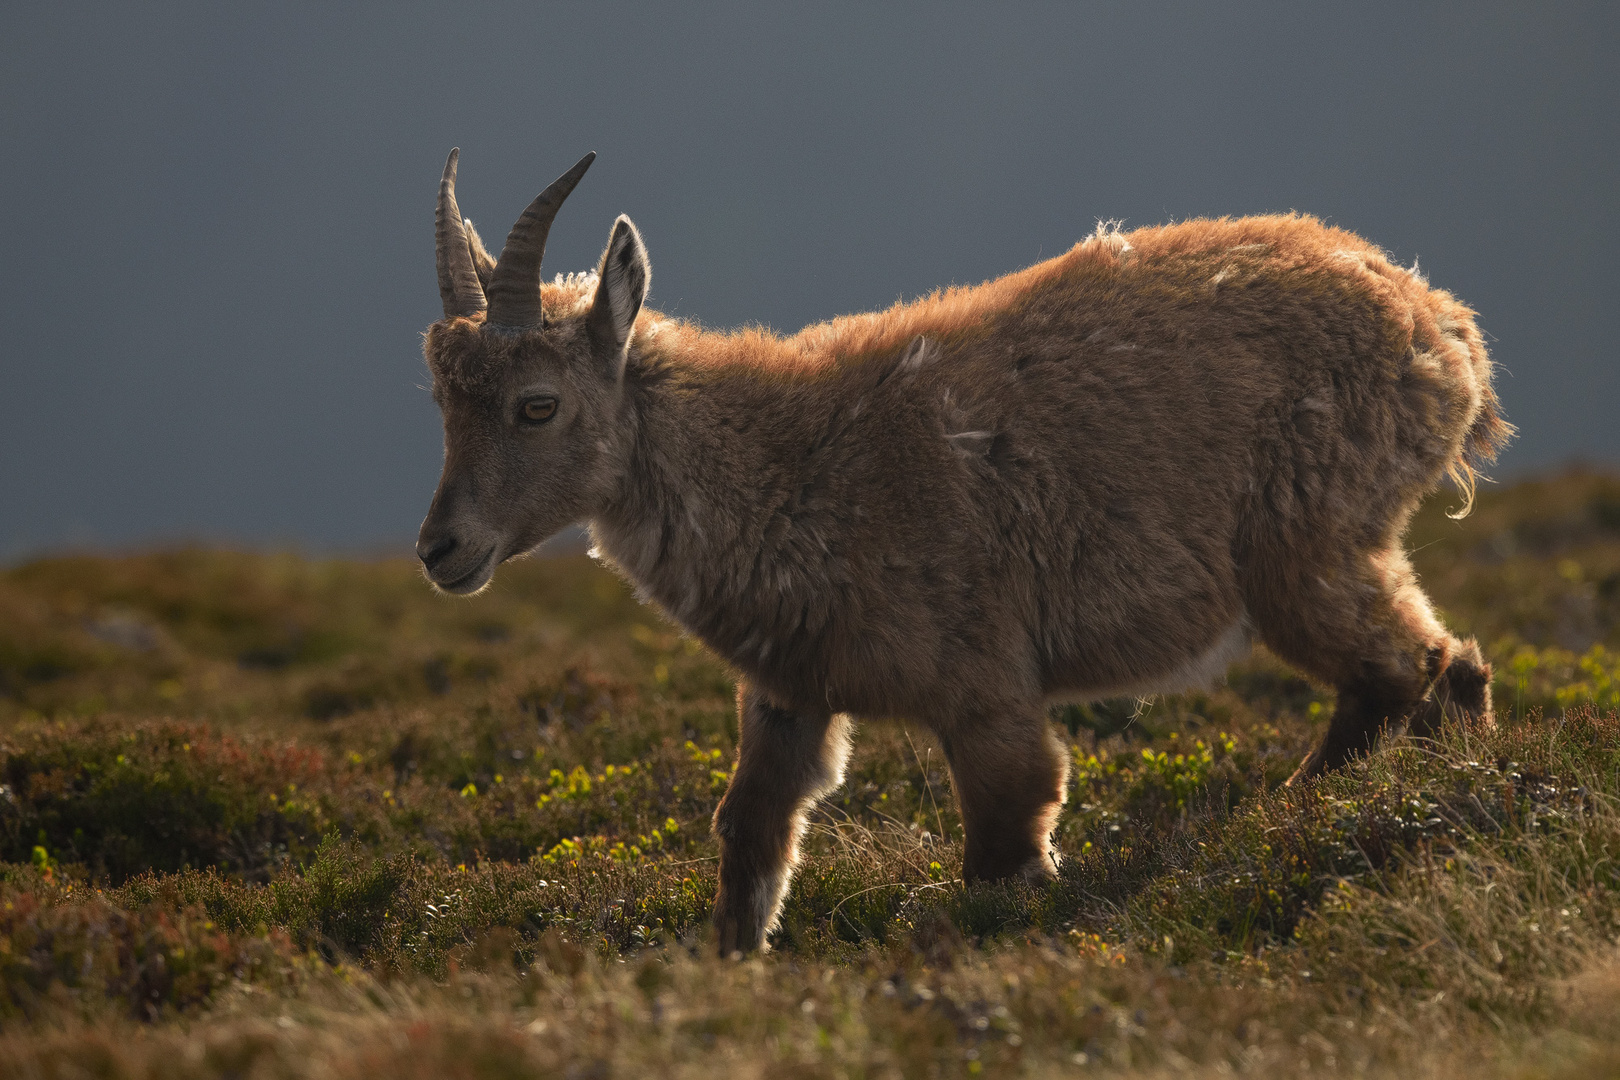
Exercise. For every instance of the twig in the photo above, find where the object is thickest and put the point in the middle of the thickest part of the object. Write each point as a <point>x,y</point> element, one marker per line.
<point>939,823</point>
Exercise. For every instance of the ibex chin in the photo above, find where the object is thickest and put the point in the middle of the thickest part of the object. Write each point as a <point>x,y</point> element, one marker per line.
<point>1102,475</point>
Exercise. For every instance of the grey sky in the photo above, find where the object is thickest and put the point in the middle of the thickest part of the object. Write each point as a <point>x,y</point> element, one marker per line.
<point>218,252</point>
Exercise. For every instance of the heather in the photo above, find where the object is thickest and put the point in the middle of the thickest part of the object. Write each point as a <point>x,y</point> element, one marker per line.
<point>265,815</point>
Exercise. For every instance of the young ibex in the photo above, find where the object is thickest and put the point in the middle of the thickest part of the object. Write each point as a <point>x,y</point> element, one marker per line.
<point>1099,476</point>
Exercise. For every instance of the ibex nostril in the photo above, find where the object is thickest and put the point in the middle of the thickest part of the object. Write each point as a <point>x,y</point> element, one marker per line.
<point>434,550</point>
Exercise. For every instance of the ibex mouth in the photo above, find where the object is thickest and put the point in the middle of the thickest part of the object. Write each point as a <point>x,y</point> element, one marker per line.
<point>469,582</point>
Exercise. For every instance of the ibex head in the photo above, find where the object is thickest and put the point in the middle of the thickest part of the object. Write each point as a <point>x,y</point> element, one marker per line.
<point>531,401</point>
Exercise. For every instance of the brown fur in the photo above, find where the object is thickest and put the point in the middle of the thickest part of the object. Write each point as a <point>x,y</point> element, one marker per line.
<point>1100,475</point>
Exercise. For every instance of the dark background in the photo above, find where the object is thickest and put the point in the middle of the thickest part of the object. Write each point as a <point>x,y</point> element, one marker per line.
<point>218,251</point>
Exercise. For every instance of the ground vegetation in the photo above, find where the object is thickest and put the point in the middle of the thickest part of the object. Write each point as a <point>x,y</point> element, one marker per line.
<point>266,815</point>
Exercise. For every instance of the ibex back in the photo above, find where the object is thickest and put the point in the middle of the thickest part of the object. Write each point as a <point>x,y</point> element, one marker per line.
<point>1101,475</point>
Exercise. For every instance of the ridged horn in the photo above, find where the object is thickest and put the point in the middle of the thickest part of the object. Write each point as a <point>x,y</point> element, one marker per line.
<point>514,288</point>
<point>459,286</point>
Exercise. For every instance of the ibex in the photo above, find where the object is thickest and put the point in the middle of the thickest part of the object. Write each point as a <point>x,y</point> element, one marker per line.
<point>1102,475</point>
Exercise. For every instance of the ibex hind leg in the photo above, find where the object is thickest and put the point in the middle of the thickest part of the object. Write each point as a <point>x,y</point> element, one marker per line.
<point>1460,692</point>
<point>1364,626</point>
<point>1010,774</point>
<point>786,760</point>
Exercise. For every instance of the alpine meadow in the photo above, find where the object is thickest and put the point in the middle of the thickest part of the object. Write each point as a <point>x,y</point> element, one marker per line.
<point>1034,540</point>
<point>270,816</point>
<point>657,811</point>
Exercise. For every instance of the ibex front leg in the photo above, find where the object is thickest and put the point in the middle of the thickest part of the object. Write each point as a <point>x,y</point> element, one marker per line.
<point>1010,774</point>
<point>786,760</point>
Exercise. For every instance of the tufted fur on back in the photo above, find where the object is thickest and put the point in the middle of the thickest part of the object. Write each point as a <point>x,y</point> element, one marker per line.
<point>1071,469</point>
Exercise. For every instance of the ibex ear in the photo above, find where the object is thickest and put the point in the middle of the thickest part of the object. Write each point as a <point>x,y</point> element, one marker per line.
<point>483,261</point>
<point>624,275</point>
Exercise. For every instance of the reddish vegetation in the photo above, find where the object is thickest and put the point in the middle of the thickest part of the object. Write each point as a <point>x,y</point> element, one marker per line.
<point>461,885</point>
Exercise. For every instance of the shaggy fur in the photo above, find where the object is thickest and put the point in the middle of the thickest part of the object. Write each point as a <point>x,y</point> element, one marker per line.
<point>1103,474</point>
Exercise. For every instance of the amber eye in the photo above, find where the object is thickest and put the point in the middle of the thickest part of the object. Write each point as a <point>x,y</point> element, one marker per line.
<point>539,410</point>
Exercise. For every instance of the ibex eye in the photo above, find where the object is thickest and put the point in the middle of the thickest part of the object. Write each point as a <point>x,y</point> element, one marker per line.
<point>539,410</point>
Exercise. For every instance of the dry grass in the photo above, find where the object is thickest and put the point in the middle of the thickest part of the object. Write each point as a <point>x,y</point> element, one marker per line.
<point>263,816</point>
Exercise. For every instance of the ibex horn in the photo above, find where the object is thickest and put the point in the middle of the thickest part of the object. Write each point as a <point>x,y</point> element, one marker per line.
<point>459,287</point>
<point>514,289</point>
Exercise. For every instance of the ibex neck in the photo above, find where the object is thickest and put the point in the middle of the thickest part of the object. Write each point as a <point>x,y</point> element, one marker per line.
<point>715,455</point>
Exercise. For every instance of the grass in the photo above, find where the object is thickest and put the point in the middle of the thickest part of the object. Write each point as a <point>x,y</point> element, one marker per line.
<point>270,816</point>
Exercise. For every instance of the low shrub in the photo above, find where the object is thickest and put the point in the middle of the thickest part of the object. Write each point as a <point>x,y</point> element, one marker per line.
<point>66,946</point>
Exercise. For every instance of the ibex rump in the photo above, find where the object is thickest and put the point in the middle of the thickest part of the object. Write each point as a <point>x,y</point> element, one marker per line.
<point>1097,476</point>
